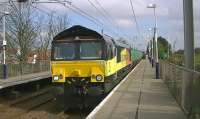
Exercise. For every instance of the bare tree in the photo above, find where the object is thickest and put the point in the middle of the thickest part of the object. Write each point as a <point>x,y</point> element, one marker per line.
<point>61,24</point>
<point>46,34</point>
<point>22,29</point>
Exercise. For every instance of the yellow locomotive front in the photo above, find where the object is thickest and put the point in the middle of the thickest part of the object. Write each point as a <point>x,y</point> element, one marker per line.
<point>77,61</point>
<point>83,59</point>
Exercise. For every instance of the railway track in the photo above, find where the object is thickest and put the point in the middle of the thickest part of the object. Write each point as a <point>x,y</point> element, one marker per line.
<point>29,97</point>
<point>21,106</point>
<point>38,105</point>
<point>33,102</point>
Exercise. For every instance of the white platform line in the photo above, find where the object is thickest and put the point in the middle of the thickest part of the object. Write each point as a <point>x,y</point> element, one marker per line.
<point>99,106</point>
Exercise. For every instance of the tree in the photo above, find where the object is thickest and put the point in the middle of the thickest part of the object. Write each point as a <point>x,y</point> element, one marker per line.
<point>164,48</point>
<point>46,33</point>
<point>22,29</point>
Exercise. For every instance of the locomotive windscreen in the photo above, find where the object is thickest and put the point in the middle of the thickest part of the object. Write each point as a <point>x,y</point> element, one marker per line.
<point>90,50</point>
<point>77,51</point>
<point>64,51</point>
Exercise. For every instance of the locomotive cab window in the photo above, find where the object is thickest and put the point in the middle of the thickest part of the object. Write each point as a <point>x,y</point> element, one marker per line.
<point>114,50</point>
<point>119,49</point>
<point>109,52</point>
<point>64,51</point>
<point>90,50</point>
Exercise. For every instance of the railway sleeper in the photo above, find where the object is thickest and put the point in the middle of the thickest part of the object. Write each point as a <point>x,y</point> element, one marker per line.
<point>10,93</point>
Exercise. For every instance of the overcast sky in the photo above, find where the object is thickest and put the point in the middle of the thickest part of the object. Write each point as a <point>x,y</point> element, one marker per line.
<point>169,12</point>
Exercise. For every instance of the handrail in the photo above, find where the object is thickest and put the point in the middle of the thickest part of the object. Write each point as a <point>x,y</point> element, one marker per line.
<point>176,78</point>
<point>25,68</point>
<point>181,67</point>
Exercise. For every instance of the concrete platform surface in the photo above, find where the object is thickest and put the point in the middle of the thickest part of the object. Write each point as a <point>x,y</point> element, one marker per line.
<point>23,79</point>
<point>139,96</point>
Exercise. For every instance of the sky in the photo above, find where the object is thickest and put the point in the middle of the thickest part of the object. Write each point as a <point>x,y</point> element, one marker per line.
<point>118,20</point>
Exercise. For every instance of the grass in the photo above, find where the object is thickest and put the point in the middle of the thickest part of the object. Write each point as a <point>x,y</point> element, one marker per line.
<point>179,58</point>
<point>197,62</point>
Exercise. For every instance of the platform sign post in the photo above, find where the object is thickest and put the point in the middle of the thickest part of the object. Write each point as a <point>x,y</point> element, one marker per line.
<point>4,46</point>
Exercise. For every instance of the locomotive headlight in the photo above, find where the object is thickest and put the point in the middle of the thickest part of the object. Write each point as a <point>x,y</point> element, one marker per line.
<point>99,77</point>
<point>56,78</point>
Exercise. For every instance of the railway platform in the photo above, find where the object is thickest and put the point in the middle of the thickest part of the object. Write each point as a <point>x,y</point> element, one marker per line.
<point>17,80</point>
<point>139,96</point>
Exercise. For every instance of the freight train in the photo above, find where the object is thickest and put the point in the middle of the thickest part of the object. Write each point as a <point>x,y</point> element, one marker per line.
<point>83,58</point>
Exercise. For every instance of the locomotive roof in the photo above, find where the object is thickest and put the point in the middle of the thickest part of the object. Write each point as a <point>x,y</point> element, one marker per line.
<point>78,30</point>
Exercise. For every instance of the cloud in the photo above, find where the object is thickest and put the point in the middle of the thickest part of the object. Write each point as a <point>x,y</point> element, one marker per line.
<point>125,23</point>
<point>169,13</point>
<point>118,10</point>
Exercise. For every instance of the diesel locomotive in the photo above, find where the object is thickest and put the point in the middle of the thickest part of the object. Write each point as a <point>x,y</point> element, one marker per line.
<point>83,58</point>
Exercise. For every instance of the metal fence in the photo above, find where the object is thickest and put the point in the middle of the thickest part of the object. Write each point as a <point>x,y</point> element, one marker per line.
<point>22,69</point>
<point>184,85</point>
<point>197,67</point>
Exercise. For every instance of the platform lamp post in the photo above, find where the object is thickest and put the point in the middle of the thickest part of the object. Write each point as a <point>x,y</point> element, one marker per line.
<point>152,44</point>
<point>153,6</point>
<point>148,37</point>
<point>4,45</point>
<point>149,49</point>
